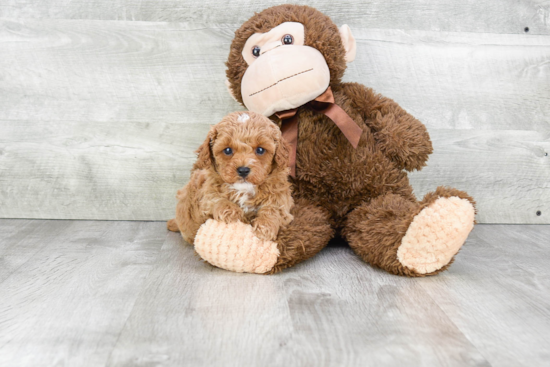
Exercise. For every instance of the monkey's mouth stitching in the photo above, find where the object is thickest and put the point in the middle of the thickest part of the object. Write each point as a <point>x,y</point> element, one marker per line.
<point>280,80</point>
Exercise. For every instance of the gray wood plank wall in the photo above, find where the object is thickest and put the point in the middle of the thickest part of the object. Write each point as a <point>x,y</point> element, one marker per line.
<point>102,103</point>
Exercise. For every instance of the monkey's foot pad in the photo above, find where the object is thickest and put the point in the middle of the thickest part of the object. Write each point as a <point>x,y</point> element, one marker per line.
<point>436,234</point>
<point>234,247</point>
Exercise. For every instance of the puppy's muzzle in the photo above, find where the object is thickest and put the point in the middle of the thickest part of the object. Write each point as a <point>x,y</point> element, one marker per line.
<point>243,171</point>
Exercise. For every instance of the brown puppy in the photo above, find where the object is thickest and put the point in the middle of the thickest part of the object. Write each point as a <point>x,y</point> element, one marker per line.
<point>241,174</point>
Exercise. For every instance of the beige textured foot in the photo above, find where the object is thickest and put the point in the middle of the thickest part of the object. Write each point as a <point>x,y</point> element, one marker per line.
<point>436,234</point>
<point>235,247</point>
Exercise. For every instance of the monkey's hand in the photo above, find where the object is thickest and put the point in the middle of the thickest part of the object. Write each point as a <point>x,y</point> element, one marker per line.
<point>235,247</point>
<point>400,136</point>
<point>403,139</point>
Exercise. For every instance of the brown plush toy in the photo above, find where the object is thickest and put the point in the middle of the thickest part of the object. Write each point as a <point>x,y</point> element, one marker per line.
<point>350,149</point>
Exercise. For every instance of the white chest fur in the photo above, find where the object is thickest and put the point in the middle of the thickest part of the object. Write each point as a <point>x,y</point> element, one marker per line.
<point>243,192</point>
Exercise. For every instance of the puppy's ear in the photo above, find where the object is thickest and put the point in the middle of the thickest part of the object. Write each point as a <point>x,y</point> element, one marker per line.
<point>282,154</point>
<point>205,157</point>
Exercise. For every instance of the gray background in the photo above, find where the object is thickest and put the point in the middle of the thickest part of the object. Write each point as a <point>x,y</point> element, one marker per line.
<point>102,103</point>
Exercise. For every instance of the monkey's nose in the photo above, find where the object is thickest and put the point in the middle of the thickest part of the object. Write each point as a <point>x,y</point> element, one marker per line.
<point>243,171</point>
<point>270,46</point>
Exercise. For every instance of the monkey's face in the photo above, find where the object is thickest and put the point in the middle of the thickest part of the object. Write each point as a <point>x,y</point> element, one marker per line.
<point>286,56</point>
<point>283,73</point>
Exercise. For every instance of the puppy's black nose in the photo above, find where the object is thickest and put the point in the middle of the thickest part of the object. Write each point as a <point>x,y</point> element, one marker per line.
<point>243,171</point>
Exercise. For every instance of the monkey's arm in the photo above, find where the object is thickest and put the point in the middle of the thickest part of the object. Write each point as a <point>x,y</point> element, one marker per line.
<point>399,135</point>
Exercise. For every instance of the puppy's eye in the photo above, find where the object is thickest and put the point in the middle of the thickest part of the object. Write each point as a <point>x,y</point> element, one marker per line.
<point>287,39</point>
<point>256,51</point>
<point>228,151</point>
<point>260,150</point>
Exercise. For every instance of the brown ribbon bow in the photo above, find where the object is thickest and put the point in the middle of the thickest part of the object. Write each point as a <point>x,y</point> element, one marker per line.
<point>324,104</point>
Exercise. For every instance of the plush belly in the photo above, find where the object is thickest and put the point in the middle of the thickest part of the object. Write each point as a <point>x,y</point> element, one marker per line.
<point>332,173</point>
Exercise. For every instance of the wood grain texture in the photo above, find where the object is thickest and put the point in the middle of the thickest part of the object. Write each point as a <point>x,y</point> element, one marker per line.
<point>504,16</point>
<point>99,119</point>
<point>504,272</point>
<point>94,170</point>
<point>67,304</point>
<point>459,80</point>
<point>159,72</point>
<point>21,239</point>
<point>506,171</point>
<point>66,70</point>
<point>322,314</point>
<point>132,294</point>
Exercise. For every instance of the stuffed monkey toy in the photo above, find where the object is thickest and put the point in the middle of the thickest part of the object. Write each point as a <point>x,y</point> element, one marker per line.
<point>350,152</point>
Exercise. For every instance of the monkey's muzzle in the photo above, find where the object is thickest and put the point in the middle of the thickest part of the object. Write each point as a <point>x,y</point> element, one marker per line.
<point>284,78</point>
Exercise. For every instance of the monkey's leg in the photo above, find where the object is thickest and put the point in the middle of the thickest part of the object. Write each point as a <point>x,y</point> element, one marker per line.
<point>410,238</point>
<point>307,234</point>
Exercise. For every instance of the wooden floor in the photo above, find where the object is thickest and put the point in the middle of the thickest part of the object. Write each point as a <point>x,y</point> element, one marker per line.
<point>93,293</point>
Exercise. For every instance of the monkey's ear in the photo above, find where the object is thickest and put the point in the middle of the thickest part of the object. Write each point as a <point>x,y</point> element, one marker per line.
<point>229,90</point>
<point>349,42</point>
<point>204,152</point>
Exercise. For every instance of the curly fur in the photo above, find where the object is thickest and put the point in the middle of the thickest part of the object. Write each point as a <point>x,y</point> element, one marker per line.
<point>216,191</point>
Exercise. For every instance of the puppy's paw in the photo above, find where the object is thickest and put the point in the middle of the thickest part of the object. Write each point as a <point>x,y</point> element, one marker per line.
<point>172,225</point>
<point>228,214</point>
<point>265,229</point>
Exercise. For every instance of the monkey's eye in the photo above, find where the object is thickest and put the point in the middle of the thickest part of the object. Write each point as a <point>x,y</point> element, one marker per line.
<point>260,150</point>
<point>287,39</point>
<point>228,151</point>
<point>256,51</point>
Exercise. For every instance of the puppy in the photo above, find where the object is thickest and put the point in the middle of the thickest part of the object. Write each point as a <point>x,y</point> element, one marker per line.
<point>241,174</point>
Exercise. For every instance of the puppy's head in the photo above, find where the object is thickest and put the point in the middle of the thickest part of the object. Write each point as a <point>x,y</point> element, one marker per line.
<point>244,147</point>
